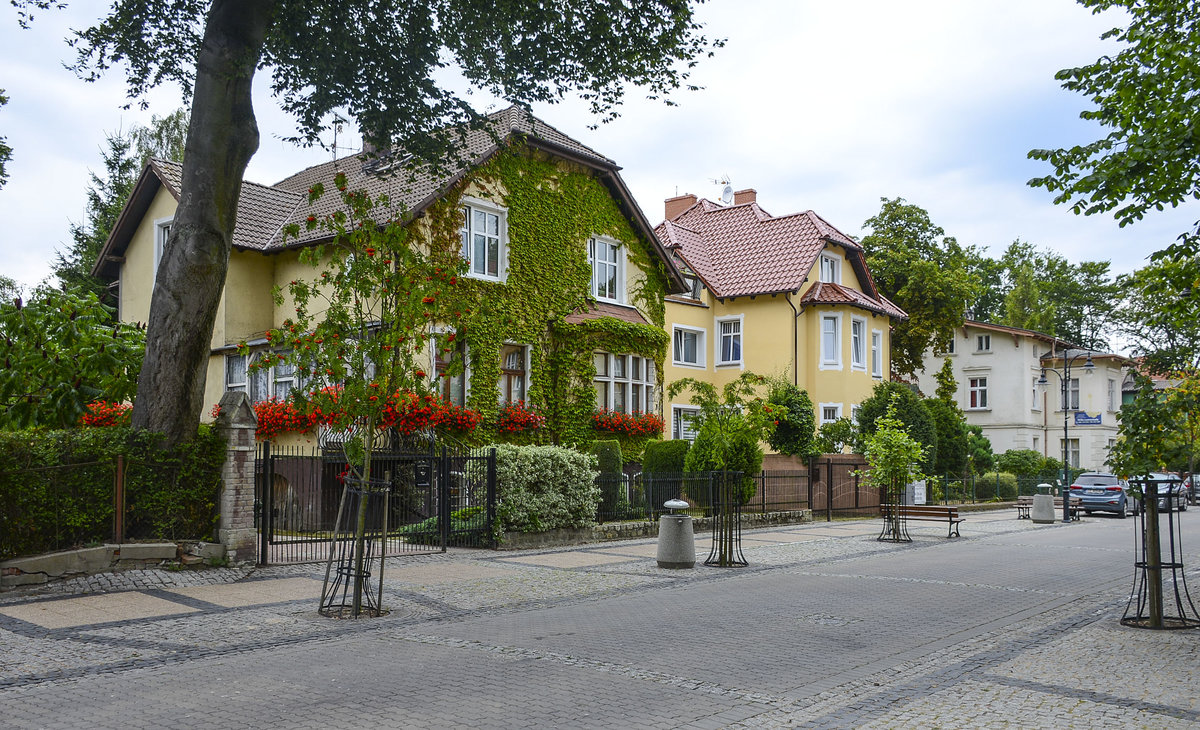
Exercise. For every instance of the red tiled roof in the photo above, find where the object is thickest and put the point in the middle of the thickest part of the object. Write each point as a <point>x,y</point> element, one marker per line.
<point>742,250</point>
<point>826,293</point>
<point>596,310</point>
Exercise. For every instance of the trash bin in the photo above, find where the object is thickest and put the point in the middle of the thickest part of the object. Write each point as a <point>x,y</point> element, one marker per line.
<point>676,538</point>
<point>1042,511</point>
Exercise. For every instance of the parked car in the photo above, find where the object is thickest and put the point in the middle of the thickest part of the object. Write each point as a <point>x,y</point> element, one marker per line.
<point>1102,492</point>
<point>1170,492</point>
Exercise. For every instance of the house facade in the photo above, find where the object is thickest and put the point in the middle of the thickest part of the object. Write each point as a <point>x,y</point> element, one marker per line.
<point>562,299</point>
<point>786,296</point>
<point>997,370</point>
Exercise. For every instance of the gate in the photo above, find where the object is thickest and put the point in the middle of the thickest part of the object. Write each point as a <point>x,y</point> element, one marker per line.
<point>442,495</point>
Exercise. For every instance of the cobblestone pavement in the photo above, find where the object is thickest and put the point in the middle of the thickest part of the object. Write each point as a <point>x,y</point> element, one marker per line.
<point>1013,625</point>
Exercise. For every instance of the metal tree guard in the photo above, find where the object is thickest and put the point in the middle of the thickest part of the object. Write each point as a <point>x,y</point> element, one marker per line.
<point>359,539</point>
<point>1149,611</point>
<point>727,521</point>
<point>895,519</point>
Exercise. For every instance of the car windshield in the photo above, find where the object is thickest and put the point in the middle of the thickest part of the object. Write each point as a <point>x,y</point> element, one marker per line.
<point>1095,480</point>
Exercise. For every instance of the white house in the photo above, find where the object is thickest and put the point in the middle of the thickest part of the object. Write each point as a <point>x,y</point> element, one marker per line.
<point>998,370</point>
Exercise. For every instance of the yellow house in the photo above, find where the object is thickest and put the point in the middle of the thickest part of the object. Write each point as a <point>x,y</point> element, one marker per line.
<point>563,295</point>
<point>775,295</point>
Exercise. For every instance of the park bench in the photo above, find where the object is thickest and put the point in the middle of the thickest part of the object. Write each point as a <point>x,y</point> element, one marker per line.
<point>926,513</point>
<point>1025,504</point>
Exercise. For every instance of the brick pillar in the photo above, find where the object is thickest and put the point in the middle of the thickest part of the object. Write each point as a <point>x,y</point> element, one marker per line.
<point>237,423</point>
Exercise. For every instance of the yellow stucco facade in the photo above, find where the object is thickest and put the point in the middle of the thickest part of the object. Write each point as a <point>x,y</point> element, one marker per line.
<point>781,337</point>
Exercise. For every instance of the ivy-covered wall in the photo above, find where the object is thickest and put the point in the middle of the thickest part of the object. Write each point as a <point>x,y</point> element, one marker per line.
<point>553,207</point>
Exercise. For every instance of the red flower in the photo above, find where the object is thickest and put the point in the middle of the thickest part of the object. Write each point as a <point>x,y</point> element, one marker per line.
<point>419,373</point>
<point>428,300</point>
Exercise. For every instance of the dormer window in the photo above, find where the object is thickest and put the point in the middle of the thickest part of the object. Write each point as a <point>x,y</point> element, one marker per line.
<point>831,269</point>
<point>606,260</point>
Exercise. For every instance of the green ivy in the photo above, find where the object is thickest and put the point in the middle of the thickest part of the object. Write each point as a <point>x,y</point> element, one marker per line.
<point>553,207</point>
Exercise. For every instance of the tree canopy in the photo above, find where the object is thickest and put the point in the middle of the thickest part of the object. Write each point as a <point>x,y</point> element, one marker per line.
<point>5,149</point>
<point>924,271</point>
<point>380,64</point>
<point>908,408</point>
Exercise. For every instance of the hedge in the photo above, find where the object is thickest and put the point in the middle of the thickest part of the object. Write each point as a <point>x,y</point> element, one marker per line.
<point>544,488</point>
<point>56,488</point>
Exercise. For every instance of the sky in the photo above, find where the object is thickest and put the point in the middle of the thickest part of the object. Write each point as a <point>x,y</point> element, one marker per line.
<point>816,105</point>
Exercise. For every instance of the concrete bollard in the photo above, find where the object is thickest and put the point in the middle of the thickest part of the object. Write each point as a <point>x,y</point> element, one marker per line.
<point>676,538</point>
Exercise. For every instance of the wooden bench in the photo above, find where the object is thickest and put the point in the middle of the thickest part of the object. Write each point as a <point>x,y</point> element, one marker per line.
<point>1025,504</point>
<point>926,513</point>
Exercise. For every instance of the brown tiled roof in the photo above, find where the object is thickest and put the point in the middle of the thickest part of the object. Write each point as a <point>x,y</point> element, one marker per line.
<point>596,310</point>
<point>742,250</point>
<point>826,293</point>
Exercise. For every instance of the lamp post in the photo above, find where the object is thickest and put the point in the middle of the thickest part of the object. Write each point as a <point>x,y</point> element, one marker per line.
<point>1064,379</point>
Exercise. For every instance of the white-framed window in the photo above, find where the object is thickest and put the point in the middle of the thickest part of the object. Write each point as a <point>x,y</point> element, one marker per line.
<point>858,343</point>
<point>484,234</point>
<point>831,342</point>
<point>687,346</point>
<point>831,268</point>
<point>830,412</point>
<point>684,422</point>
<point>1112,394</point>
<point>1071,395</point>
<point>1037,442</point>
<point>977,393</point>
<point>453,389</point>
<point>1072,452</point>
<point>259,383</point>
<point>983,343</point>
<point>950,346</point>
<point>162,231</point>
<point>729,341</point>
<point>607,261</point>
<point>877,353</point>
<point>1037,399</point>
<point>625,383</point>
<point>514,373</point>
<point>854,409</point>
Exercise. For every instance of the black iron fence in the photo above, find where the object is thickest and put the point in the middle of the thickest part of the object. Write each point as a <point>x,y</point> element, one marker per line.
<point>438,497</point>
<point>830,488</point>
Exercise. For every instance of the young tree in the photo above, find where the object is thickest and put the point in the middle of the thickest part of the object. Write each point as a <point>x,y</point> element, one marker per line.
<point>924,271</point>
<point>795,420</point>
<point>894,458</point>
<point>949,423</point>
<point>980,457</point>
<point>908,408</point>
<point>61,351</point>
<point>382,68</point>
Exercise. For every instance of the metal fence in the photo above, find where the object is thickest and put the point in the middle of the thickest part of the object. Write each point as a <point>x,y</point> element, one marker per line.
<point>438,497</point>
<point>829,488</point>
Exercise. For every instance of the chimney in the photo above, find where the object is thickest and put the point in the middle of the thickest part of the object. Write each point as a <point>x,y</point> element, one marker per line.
<point>678,204</point>
<point>749,195</point>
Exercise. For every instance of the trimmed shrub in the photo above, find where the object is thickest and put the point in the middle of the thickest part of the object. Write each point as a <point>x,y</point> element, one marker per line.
<point>544,488</point>
<point>56,488</point>
<point>665,457</point>
<point>608,456</point>
<point>993,485</point>
<point>740,452</point>
<point>608,459</point>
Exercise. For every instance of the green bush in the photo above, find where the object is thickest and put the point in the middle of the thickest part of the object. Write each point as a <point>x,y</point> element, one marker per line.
<point>992,485</point>
<point>461,520</point>
<point>911,412</point>
<point>544,488</point>
<point>608,456</point>
<point>56,488</point>
<point>740,452</point>
<point>665,457</point>
<point>608,459</point>
<point>794,432</point>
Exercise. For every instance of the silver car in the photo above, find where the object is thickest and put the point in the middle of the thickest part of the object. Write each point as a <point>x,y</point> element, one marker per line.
<point>1102,492</point>
<point>1170,489</point>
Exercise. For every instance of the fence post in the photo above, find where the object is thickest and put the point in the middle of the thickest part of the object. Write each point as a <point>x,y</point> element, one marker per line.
<point>237,423</point>
<point>119,501</point>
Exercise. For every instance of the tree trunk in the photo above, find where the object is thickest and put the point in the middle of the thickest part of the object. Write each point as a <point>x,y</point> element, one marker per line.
<point>222,137</point>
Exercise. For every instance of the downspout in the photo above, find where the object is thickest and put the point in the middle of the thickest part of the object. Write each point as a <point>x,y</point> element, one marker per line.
<point>795,338</point>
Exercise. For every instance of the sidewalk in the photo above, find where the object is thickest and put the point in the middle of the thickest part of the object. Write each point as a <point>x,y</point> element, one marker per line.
<point>1012,624</point>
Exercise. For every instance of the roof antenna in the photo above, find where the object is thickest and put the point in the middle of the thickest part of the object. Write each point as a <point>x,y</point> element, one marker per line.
<point>727,191</point>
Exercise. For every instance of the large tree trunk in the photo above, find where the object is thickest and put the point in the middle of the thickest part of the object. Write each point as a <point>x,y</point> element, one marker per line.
<point>222,137</point>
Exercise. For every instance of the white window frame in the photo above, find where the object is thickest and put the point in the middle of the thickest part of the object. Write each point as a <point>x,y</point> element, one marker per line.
<point>829,268</point>
<point>826,362</point>
<point>1069,398</point>
<point>678,431</point>
<point>837,409</point>
<point>618,251</point>
<point>983,343</point>
<point>465,375</point>
<point>977,390</point>
<point>162,231</point>
<point>719,340</point>
<point>467,233</point>
<point>1037,400</point>
<point>525,362</point>
<point>1073,453</point>
<point>272,380</point>
<point>648,382</point>
<point>1112,392</point>
<point>951,349</point>
<point>858,354</point>
<point>701,345</point>
<point>877,353</point>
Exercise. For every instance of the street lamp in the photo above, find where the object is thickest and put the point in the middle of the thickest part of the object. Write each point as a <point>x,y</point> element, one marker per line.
<point>1064,379</point>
